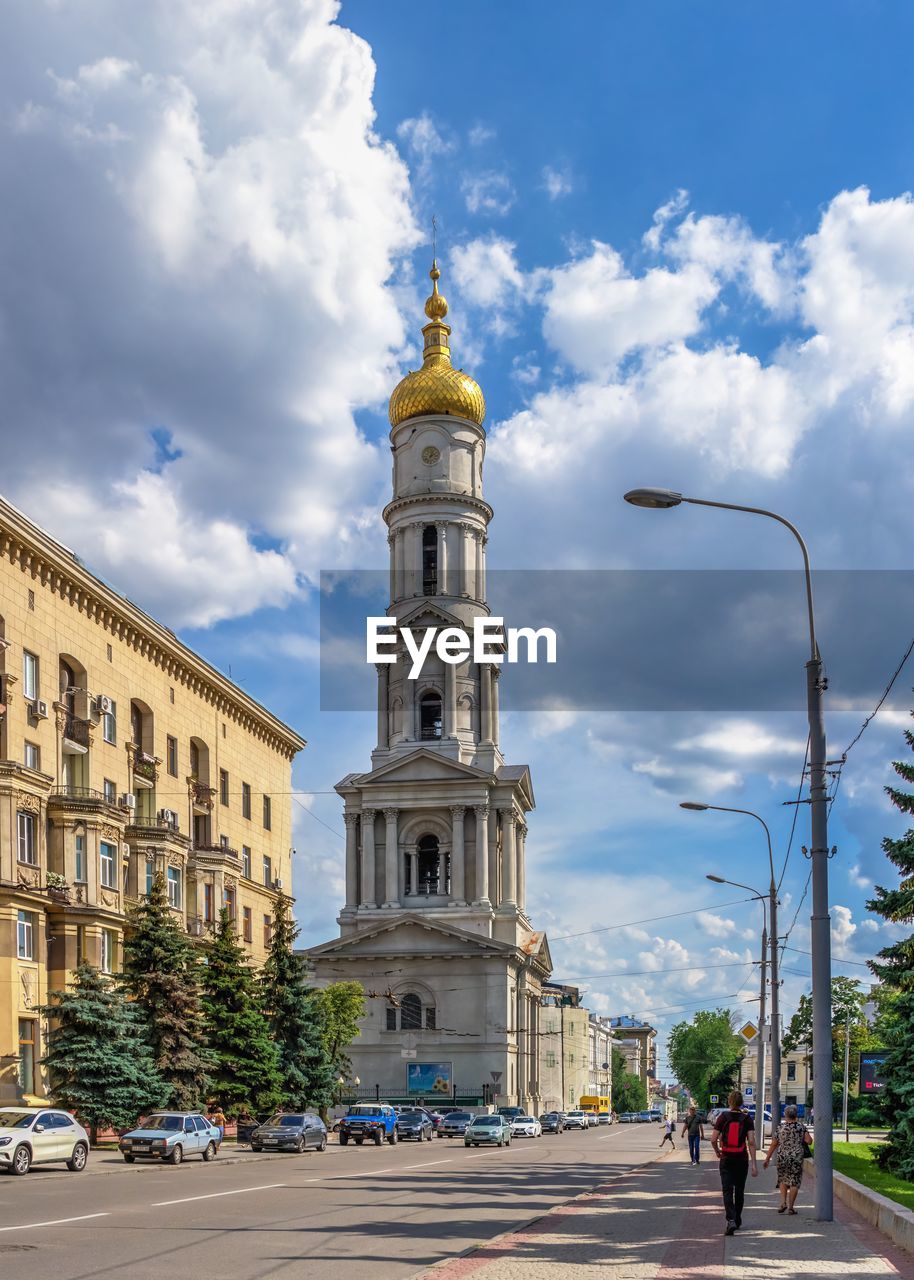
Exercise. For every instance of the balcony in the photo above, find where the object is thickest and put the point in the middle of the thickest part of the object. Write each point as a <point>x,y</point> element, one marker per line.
<point>201,795</point>
<point>216,855</point>
<point>85,800</point>
<point>154,831</point>
<point>75,736</point>
<point>144,769</point>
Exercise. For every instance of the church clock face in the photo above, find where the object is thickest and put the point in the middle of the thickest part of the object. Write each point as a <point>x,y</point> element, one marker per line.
<point>430,455</point>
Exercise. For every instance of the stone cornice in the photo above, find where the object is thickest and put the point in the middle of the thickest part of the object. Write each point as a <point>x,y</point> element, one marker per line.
<point>55,566</point>
<point>423,499</point>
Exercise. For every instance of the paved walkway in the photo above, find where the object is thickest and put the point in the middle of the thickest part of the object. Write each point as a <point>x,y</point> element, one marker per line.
<point>664,1221</point>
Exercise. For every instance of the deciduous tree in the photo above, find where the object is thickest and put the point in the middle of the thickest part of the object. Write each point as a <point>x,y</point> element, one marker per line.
<point>705,1054</point>
<point>342,1005</point>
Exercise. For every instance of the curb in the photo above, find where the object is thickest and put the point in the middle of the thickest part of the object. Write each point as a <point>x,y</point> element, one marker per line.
<point>889,1217</point>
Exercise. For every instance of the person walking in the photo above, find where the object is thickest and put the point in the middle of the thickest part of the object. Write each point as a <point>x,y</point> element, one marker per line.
<point>791,1143</point>
<point>670,1129</point>
<point>733,1141</point>
<point>695,1131</point>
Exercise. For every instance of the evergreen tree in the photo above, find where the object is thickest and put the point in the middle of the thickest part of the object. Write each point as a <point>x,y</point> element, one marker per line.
<point>99,1062</point>
<point>245,1061</point>
<point>161,973</point>
<point>895,969</point>
<point>294,1018</point>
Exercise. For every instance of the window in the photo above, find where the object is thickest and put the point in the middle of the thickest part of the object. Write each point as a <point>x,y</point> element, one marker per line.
<point>109,790</point>
<point>791,1071</point>
<point>171,694</point>
<point>223,786</point>
<point>247,924</point>
<point>150,875</point>
<point>231,903</point>
<point>410,1013</point>
<point>245,799</point>
<point>550,1059</point>
<point>430,715</point>
<point>80,877</point>
<point>108,951</point>
<point>30,674</point>
<point>208,903</point>
<point>31,600</point>
<point>80,943</point>
<point>171,755</point>
<point>268,871</point>
<point>194,760</point>
<point>109,723</point>
<point>267,814</point>
<point>246,860</point>
<point>223,842</point>
<point>110,653</point>
<point>27,1057</point>
<point>267,930</point>
<point>125,876</point>
<point>391,1019</point>
<point>174,887</point>
<point>32,755</point>
<point>25,935</point>
<point>26,843</point>
<point>430,1018</point>
<point>108,855</point>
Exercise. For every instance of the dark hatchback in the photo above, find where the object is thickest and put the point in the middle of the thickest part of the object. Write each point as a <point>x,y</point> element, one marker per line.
<point>552,1122</point>
<point>415,1124</point>
<point>296,1131</point>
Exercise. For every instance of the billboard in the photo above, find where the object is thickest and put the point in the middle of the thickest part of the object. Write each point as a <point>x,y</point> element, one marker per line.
<point>429,1077</point>
<point>871,1064</point>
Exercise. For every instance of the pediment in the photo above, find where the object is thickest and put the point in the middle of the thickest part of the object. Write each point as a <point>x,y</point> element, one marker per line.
<point>428,607</point>
<point>537,947</point>
<point>410,935</point>
<point>422,765</point>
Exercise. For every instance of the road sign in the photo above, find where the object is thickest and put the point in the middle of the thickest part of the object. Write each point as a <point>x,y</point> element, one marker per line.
<point>749,1031</point>
<point>748,1091</point>
<point>496,1076</point>
<point>714,1099</point>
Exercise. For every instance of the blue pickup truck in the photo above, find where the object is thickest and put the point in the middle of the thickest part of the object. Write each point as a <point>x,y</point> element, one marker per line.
<point>374,1120</point>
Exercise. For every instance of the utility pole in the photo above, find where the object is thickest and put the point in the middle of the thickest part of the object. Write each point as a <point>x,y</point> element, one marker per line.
<point>760,1042</point>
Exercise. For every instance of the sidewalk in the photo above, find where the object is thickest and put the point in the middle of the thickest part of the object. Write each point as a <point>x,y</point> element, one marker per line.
<point>664,1221</point>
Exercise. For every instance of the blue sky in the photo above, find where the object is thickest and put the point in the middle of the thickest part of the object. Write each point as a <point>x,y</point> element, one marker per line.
<point>679,250</point>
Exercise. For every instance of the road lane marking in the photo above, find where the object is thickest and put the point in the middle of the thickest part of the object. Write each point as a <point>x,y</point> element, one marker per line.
<point>215,1195</point>
<point>426,1164</point>
<point>56,1222</point>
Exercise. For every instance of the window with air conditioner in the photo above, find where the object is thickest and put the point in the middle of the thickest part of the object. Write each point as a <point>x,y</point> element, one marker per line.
<point>109,791</point>
<point>268,871</point>
<point>31,687</point>
<point>109,723</point>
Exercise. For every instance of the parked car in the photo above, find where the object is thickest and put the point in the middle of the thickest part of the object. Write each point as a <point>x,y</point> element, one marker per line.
<point>644,1117</point>
<point>171,1136</point>
<point>656,1114</point>
<point>488,1129</point>
<point>436,1117</point>
<point>604,1117</point>
<point>294,1132</point>
<point>415,1124</point>
<point>592,1120</point>
<point>552,1122</point>
<point>375,1120</point>
<point>454,1124</point>
<point>576,1120</point>
<point>526,1127</point>
<point>38,1135</point>
<point>509,1112</point>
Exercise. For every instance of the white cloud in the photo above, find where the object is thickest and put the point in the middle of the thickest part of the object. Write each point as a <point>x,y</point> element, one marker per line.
<point>486,272</point>
<point>423,138</point>
<point>488,193</point>
<point>480,134</point>
<point>556,182</point>
<point>716,926</point>
<point>666,213</point>
<point>742,738</point>
<point>843,929</point>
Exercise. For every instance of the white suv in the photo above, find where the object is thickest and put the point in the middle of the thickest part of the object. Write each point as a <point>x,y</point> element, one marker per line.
<point>41,1135</point>
<point>576,1120</point>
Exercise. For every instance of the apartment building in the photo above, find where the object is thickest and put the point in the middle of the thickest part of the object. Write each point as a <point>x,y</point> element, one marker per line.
<point>122,755</point>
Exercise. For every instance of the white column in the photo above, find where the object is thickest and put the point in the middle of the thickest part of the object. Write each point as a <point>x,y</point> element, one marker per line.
<point>493,706</point>
<point>450,701</point>
<point>464,558</point>
<point>483,542</point>
<point>400,563</point>
<point>509,856</point>
<point>441,530</point>
<point>477,560</point>
<point>458,873</point>
<point>352,860</point>
<point>413,855</point>
<point>485,697</point>
<point>368,890</point>
<point>392,545</point>
<point>383,671</point>
<point>482,855</point>
<point>391,869</point>
<point>521,866</point>
<point>494,883</point>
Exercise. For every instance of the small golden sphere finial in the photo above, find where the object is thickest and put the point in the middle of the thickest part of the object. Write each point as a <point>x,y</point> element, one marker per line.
<point>436,305</point>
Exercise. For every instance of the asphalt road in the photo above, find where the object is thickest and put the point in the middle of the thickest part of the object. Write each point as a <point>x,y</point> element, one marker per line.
<point>351,1212</point>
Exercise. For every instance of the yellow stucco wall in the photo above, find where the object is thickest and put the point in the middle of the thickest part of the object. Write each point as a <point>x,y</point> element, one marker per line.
<point>51,607</point>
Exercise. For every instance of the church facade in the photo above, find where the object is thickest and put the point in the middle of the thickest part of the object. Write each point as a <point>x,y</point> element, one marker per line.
<point>435,925</point>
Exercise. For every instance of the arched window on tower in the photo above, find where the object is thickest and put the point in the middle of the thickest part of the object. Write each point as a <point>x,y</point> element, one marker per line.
<point>429,560</point>
<point>412,1015</point>
<point>430,715</point>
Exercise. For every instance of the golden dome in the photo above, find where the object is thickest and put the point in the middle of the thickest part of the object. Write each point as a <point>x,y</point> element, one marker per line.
<point>437,387</point>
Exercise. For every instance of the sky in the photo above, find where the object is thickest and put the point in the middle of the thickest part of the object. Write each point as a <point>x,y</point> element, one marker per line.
<point>678,246</point>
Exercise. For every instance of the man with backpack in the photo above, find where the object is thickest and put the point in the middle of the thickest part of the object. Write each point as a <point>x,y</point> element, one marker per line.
<point>733,1141</point>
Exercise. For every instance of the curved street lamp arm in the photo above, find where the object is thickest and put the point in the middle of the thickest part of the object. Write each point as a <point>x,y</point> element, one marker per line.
<point>720,808</point>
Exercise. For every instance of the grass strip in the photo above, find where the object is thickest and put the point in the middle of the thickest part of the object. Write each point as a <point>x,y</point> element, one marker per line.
<point>857,1160</point>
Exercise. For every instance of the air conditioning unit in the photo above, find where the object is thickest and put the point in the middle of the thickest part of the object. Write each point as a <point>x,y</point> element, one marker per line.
<point>169,816</point>
<point>38,709</point>
<point>103,704</point>
<point>195,927</point>
<point>128,800</point>
<point>277,883</point>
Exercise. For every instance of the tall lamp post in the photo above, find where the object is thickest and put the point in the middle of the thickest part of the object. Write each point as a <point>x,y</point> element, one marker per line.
<point>773,943</point>
<point>820,924</point>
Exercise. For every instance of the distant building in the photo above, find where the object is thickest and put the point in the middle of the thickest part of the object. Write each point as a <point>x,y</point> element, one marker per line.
<point>636,1039</point>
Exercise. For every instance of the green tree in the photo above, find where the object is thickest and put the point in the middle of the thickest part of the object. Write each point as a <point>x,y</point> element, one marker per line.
<point>161,973</point>
<point>705,1054</point>
<point>245,1061</point>
<point>895,970</point>
<point>99,1062</point>
<point>293,1011</point>
<point>628,1090</point>
<point>847,1001</point>
<point>341,1005</point>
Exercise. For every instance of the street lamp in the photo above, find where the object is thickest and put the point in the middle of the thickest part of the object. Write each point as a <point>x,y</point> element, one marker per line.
<point>773,942</point>
<point>820,925</point>
<point>760,1048</point>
